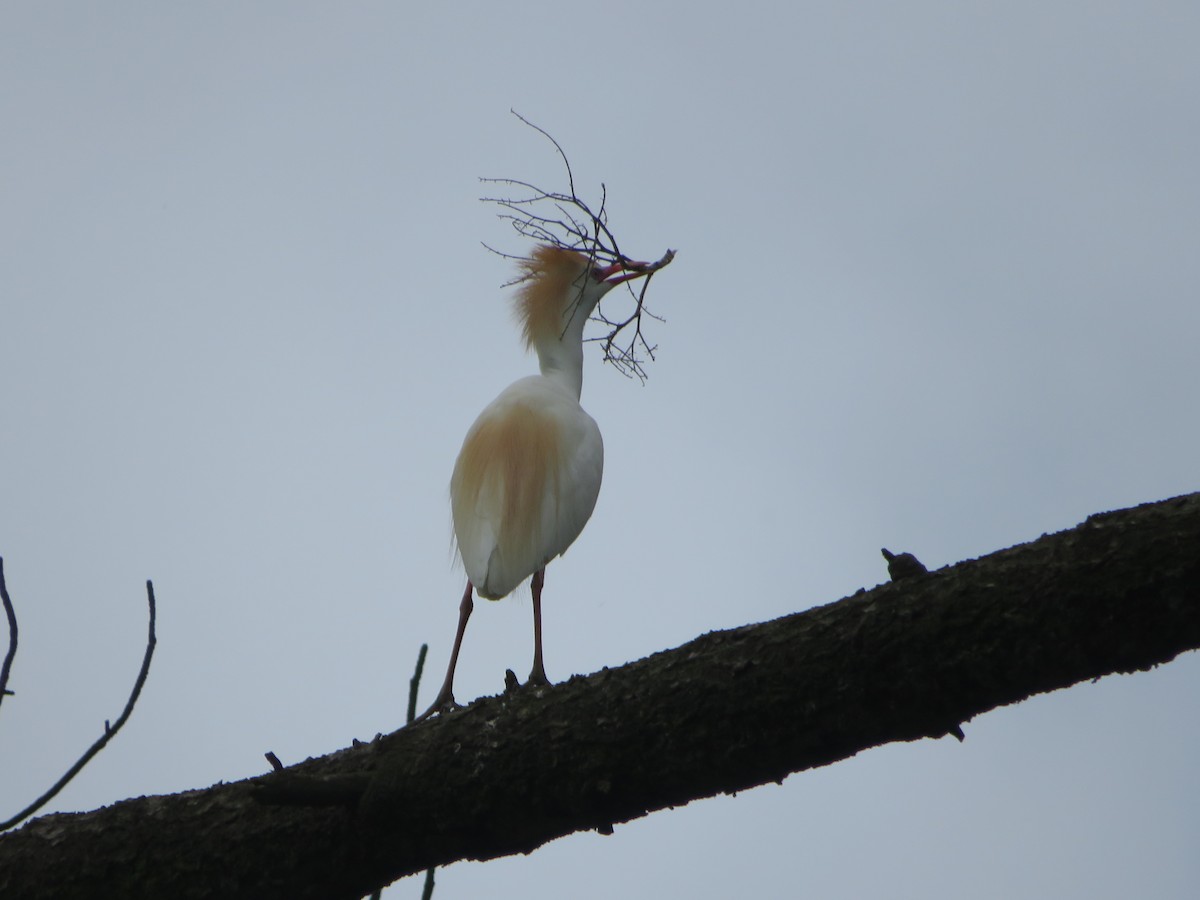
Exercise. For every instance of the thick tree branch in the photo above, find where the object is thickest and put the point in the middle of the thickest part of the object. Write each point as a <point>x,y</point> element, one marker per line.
<point>733,709</point>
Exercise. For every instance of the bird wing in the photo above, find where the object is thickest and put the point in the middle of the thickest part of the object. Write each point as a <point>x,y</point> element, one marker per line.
<point>525,484</point>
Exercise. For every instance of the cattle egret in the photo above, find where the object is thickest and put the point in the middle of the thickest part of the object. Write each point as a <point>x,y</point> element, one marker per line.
<point>529,471</point>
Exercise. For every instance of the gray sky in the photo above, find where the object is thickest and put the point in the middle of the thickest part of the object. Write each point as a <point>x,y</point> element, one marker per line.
<point>935,291</point>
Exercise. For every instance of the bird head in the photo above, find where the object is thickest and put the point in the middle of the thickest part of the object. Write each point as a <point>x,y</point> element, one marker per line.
<point>561,287</point>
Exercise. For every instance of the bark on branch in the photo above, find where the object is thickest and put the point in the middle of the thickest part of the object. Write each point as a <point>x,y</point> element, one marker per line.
<point>910,659</point>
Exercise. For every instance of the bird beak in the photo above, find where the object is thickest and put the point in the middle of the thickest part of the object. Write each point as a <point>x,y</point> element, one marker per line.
<point>628,268</point>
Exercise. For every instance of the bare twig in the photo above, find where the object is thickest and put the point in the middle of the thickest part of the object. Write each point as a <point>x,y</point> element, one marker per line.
<point>626,358</point>
<point>415,683</point>
<point>110,730</point>
<point>413,686</point>
<point>566,220</point>
<point>12,635</point>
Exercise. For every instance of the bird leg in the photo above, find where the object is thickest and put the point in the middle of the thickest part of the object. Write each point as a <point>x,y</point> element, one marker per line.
<point>537,676</point>
<point>444,702</point>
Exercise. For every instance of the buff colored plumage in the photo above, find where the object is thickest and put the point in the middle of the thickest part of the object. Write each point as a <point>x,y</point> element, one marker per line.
<point>527,477</point>
<point>525,483</point>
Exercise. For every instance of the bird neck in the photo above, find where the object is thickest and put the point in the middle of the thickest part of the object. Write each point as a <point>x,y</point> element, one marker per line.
<point>560,351</point>
<point>561,360</point>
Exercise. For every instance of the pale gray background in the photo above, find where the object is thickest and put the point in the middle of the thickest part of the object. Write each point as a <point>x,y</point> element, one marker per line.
<point>936,291</point>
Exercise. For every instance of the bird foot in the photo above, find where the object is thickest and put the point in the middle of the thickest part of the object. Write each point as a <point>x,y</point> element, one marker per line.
<point>443,704</point>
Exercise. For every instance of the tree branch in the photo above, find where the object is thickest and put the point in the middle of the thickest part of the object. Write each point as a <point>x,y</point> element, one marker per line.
<point>913,658</point>
<point>11,614</point>
<point>110,730</point>
<point>414,683</point>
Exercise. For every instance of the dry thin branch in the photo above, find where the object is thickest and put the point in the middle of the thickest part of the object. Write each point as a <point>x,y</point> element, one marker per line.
<point>566,220</point>
<point>414,683</point>
<point>626,358</point>
<point>12,634</point>
<point>413,687</point>
<point>110,730</point>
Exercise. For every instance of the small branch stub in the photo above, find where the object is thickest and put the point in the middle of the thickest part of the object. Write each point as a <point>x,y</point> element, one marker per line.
<point>903,565</point>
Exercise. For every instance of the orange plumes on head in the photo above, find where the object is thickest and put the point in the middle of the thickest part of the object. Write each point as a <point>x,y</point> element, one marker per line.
<point>549,288</point>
